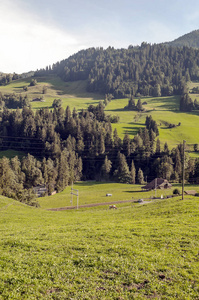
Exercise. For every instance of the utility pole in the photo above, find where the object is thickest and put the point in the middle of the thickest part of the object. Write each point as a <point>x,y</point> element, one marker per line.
<point>71,201</point>
<point>76,193</point>
<point>183,169</point>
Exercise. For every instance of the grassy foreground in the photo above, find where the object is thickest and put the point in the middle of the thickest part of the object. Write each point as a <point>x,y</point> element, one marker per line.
<point>145,251</point>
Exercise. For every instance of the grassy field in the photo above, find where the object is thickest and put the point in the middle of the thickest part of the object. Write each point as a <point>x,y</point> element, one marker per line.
<point>72,93</point>
<point>164,110</point>
<point>91,192</point>
<point>138,251</point>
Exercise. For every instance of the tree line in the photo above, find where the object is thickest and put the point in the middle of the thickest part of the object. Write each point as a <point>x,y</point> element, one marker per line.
<point>187,104</point>
<point>13,101</point>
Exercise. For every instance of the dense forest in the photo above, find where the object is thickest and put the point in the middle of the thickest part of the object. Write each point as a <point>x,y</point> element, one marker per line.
<point>148,70</point>
<point>189,40</point>
<point>65,146</point>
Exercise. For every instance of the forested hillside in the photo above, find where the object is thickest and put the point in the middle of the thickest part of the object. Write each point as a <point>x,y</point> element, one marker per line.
<point>155,70</point>
<point>189,40</point>
<point>67,146</point>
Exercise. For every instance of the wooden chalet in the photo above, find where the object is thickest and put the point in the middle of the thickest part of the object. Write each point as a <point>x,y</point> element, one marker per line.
<point>191,192</point>
<point>157,183</point>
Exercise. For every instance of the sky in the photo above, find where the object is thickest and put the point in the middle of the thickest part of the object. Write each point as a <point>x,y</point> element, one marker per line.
<point>38,33</point>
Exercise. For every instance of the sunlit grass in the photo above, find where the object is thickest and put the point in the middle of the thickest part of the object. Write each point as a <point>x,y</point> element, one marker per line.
<point>138,251</point>
<point>91,192</point>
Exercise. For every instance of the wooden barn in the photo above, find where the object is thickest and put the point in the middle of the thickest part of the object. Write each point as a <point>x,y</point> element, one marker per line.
<point>192,192</point>
<point>157,183</point>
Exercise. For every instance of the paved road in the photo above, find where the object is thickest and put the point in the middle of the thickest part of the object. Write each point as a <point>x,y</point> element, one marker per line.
<point>96,204</point>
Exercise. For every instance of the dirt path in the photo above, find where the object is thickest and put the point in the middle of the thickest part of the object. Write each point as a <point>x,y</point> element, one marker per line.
<point>91,205</point>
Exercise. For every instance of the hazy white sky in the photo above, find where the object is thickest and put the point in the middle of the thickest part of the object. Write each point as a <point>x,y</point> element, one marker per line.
<point>37,33</point>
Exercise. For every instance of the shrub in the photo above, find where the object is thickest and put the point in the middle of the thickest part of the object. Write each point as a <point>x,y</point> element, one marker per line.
<point>33,82</point>
<point>176,192</point>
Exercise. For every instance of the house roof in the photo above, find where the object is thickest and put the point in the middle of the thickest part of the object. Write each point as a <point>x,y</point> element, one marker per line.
<point>190,192</point>
<point>158,183</point>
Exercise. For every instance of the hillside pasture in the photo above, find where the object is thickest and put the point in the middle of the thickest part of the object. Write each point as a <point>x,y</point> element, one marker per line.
<point>72,93</point>
<point>165,110</point>
<point>145,251</point>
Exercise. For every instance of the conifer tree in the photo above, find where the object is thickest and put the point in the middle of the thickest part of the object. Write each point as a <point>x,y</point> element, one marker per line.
<point>158,149</point>
<point>116,140</point>
<point>126,145</point>
<point>178,163</point>
<point>7,178</point>
<point>140,176</point>
<point>122,173</point>
<point>101,144</point>
<point>133,173</point>
<point>63,171</point>
<point>139,105</point>
<point>106,168</point>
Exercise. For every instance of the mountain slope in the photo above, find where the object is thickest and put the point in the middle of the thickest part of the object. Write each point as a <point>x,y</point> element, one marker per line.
<point>190,40</point>
<point>148,70</point>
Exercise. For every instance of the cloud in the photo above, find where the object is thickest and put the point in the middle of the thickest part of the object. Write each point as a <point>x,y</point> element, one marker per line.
<point>28,42</point>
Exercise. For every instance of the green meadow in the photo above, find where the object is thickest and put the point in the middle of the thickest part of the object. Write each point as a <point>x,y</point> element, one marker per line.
<point>92,192</point>
<point>164,110</point>
<point>72,93</point>
<point>139,251</point>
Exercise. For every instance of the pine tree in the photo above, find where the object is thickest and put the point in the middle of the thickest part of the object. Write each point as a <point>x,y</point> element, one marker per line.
<point>116,140</point>
<point>178,163</point>
<point>166,149</point>
<point>133,173</point>
<point>126,145</point>
<point>7,178</point>
<point>139,105</point>
<point>122,173</point>
<point>165,168</point>
<point>49,172</point>
<point>32,171</point>
<point>140,177</point>
<point>106,168</point>
<point>63,171</point>
<point>101,144</point>
<point>158,149</point>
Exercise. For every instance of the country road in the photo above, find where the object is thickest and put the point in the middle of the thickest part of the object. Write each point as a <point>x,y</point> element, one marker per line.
<point>96,204</point>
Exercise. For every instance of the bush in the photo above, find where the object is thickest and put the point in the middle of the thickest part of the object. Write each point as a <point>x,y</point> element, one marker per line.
<point>176,192</point>
<point>33,82</point>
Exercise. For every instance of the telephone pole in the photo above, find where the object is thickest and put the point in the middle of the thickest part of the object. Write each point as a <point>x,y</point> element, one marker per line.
<point>183,169</point>
<point>76,193</point>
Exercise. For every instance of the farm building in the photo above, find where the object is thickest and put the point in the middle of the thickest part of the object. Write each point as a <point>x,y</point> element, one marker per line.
<point>40,190</point>
<point>157,183</point>
<point>190,192</point>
